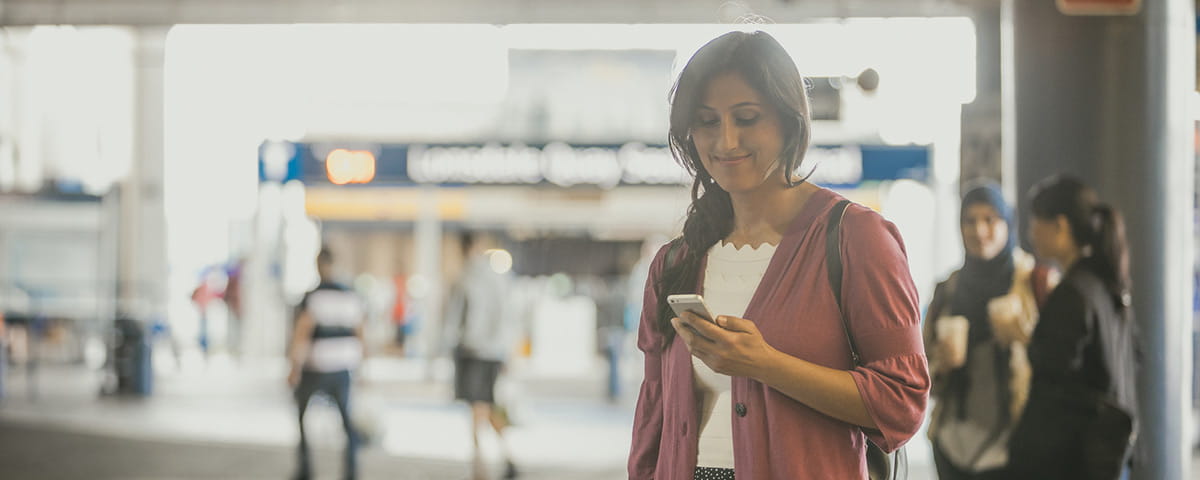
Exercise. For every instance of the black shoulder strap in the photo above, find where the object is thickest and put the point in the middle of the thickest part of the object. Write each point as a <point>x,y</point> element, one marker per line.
<point>833,264</point>
<point>880,465</point>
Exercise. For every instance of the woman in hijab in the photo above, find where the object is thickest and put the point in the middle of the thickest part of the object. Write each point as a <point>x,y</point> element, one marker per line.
<point>976,330</point>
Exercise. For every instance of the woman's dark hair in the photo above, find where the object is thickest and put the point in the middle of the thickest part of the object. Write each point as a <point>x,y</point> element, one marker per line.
<point>466,243</point>
<point>1095,226</point>
<point>764,64</point>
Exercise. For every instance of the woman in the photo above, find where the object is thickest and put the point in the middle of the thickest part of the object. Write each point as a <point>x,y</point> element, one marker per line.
<point>769,390</point>
<point>979,323</point>
<point>1078,420</point>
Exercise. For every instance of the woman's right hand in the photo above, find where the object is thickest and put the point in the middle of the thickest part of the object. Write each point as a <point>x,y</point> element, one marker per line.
<point>952,342</point>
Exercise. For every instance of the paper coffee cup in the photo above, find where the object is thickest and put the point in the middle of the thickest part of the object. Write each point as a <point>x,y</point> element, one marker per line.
<point>952,332</point>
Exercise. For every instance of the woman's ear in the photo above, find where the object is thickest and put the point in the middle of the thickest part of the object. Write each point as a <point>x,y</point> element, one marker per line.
<point>1062,231</point>
<point>1063,227</point>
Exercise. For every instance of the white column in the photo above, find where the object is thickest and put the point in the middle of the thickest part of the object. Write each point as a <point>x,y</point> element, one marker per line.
<point>141,264</point>
<point>427,264</point>
<point>26,114</point>
<point>1106,99</point>
<point>8,116</point>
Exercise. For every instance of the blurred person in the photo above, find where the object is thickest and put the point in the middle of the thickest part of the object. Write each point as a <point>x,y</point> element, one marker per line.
<point>18,320</point>
<point>327,346</point>
<point>400,311</point>
<point>3,354</point>
<point>622,341</point>
<point>610,322</point>
<point>205,296</point>
<point>483,335</point>
<point>772,388</point>
<point>233,302</point>
<point>1080,417</point>
<point>980,321</point>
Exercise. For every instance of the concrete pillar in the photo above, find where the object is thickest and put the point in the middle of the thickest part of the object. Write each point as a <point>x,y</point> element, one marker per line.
<point>981,119</point>
<point>267,318</point>
<point>21,157</point>
<point>427,277</point>
<point>142,264</point>
<point>1106,99</point>
<point>9,61</point>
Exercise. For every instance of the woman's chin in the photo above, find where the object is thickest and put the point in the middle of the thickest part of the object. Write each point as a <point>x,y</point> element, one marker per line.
<point>741,185</point>
<point>732,187</point>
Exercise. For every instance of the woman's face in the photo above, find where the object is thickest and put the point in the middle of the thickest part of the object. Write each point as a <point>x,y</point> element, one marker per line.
<point>738,135</point>
<point>1049,236</point>
<point>984,231</point>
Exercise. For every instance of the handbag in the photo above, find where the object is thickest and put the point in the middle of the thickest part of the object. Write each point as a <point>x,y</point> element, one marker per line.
<point>880,465</point>
<point>1108,440</point>
<point>1085,428</point>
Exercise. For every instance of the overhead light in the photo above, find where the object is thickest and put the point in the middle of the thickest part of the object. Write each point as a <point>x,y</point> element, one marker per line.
<point>500,260</point>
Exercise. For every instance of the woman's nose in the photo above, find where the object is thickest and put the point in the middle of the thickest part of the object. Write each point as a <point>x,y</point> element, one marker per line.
<point>983,230</point>
<point>729,137</point>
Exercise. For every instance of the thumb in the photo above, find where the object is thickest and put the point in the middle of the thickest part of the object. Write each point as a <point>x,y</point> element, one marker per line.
<point>735,324</point>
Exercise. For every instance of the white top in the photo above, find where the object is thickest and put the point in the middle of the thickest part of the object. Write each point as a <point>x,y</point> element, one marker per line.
<point>338,308</point>
<point>730,279</point>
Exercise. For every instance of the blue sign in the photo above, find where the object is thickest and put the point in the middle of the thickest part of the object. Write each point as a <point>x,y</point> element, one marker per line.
<point>564,165</point>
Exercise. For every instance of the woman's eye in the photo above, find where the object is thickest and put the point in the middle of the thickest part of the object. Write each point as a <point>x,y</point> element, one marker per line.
<point>747,120</point>
<point>706,121</point>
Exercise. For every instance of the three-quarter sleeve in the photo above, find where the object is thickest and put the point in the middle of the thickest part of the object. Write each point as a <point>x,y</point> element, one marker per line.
<point>881,309</point>
<point>648,417</point>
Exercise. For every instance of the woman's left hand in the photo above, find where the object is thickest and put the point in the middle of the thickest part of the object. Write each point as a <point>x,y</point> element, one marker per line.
<point>733,346</point>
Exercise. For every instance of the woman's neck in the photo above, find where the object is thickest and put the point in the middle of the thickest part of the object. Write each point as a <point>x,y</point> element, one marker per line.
<point>1067,258</point>
<point>762,216</point>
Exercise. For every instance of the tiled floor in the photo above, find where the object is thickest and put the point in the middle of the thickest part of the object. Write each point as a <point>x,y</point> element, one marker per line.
<point>236,420</point>
<point>51,453</point>
<point>563,428</point>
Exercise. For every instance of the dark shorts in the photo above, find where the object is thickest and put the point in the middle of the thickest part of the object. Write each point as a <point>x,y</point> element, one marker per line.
<point>475,379</point>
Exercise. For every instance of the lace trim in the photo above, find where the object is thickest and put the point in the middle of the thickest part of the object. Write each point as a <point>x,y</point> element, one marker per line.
<point>726,251</point>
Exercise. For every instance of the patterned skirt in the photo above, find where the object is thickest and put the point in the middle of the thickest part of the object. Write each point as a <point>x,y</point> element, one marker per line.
<point>706,473</point>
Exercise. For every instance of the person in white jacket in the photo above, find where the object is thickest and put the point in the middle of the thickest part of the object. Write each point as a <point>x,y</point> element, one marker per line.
<point>481,327</point>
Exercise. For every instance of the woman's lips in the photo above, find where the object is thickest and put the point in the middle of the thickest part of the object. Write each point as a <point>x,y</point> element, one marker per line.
<point>731,160</point>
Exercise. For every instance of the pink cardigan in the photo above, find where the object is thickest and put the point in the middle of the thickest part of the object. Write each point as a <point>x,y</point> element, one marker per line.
<point>774,436</point>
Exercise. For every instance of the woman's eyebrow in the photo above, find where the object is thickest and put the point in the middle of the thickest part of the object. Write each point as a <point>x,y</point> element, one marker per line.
<point>743,104</point>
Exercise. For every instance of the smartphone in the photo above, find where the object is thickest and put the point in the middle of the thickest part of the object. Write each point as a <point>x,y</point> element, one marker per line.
<point>691,303</point>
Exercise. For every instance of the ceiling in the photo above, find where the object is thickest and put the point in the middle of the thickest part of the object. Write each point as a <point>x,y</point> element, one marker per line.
<point>167,12</point>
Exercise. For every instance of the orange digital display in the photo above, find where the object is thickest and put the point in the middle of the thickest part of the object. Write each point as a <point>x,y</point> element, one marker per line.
<point>350,166</point>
